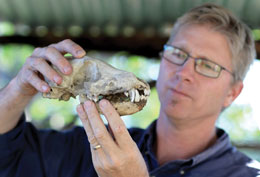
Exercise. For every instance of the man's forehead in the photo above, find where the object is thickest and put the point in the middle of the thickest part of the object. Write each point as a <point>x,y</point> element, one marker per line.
<point>201,41</point>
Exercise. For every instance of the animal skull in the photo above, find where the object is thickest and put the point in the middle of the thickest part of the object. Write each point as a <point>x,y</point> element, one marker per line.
<point>93,79</point>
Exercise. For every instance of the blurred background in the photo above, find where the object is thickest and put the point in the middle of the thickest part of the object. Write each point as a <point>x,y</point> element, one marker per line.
<point>128,34</point>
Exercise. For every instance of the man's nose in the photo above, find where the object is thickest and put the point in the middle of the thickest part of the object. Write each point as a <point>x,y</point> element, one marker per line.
<point>186,71</point>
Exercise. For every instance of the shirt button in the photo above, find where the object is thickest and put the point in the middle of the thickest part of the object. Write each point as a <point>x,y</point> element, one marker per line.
<point>182,172</point>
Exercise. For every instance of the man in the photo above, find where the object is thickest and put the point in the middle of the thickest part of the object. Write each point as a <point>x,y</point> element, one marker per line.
<point>201,73</point>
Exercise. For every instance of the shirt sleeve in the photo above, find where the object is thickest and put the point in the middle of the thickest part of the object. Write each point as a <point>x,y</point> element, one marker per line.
<point>11,141</point>
<point>26,151</point>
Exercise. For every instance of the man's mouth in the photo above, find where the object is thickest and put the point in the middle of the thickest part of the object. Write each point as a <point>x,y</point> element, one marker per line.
<point>180,93</point>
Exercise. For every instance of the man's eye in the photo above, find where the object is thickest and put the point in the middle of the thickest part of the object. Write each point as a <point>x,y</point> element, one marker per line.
<point>208,66</point>
<point>180,55</point>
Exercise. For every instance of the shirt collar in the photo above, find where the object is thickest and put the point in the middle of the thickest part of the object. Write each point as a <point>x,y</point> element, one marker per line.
<point>222,145</point>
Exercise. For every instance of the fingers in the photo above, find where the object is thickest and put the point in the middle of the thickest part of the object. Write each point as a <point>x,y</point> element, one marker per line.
<point>110,160</point>
<point>84,119</point>
<point>68,46</point>
<point>55,54</point>
<point>116,124</point>
<point>95,128</point>
<point>98,156</point>
<point>37,67</point>
<point>34,80</point>
<point>39,64</point>
<point>57,59</point>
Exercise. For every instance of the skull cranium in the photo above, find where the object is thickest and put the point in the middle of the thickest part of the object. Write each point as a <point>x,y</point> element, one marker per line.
<point>93,79</point>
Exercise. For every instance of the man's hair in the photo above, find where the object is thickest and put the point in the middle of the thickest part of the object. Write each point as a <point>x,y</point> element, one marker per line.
<point>237,33</point>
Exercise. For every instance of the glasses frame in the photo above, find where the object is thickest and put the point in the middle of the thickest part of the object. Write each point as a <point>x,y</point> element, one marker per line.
<point>196,59</point>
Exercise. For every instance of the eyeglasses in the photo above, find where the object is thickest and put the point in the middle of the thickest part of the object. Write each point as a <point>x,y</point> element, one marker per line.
<point>202,66</point>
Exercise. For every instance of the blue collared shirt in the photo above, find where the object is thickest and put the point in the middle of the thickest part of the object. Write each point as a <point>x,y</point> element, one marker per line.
<point>28,152</point>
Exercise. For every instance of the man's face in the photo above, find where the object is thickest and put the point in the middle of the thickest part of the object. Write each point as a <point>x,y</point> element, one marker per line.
<point>184,93</point>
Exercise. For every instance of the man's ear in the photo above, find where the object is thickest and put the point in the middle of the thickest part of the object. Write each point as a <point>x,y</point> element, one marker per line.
<point>233,93</point>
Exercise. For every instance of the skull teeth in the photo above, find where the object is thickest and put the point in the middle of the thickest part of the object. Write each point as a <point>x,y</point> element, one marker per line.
<point>132,95</point>
<point>143,97</point>
<point>146,92</point>
<point>126,94</point>
<point>95,99</point>
<point>137,96</point>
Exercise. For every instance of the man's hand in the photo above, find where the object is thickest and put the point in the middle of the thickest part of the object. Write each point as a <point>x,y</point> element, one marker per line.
<point>19,92</point>
<point>30,78</point>
<point>115,155</point>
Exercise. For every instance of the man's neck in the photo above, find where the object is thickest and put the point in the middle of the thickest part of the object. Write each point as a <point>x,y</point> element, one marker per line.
<point>176,142</point>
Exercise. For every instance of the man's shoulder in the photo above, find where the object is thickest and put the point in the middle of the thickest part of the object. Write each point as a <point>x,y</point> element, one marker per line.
<point>245,164</point>
<point>236,164</point>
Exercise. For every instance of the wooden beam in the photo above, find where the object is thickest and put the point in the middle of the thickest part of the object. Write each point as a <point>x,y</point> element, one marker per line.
<point>257,47</point>
<point>252,145</point>
<point>137,44</point>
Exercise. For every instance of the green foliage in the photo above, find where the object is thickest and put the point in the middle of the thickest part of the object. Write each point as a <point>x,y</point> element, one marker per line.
<point>12,57</point>
<point>7,29</point>
<point>51,109</point>
<point>237,121</point>
<point>140,66</point>
<point>42,107</point>
<point>256,34</point>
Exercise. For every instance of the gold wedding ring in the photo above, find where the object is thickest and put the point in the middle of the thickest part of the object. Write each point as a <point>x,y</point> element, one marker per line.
<point>97,147</point>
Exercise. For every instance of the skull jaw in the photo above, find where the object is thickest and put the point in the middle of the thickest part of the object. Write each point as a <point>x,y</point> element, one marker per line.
<point>122,108</point>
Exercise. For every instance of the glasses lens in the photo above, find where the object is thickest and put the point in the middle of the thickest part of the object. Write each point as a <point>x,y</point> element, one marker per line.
<point>207,68</point>
<point>175,55</point>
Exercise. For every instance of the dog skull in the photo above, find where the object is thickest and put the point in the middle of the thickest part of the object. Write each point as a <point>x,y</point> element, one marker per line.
<point>93,79</point>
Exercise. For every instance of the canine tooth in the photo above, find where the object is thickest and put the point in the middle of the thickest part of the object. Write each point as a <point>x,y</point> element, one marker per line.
<point>126,94</point>
<point>132,95</point>
<point>146,92</point>
<point>95,99</point>
<point>142,97</point>
<point>137,96</point>
<point>89,97</point>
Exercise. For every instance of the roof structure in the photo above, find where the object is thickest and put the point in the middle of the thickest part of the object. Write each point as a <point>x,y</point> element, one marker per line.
<point>138,26</point>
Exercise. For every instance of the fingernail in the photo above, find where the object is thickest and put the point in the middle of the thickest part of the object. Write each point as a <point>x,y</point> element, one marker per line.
<point>79,108</point>
<point>103,103</point>
<point>67,69</point>
<point>44,88</point>
<point>88,104</point>
<point>57,79</point>
<point>80,53</point>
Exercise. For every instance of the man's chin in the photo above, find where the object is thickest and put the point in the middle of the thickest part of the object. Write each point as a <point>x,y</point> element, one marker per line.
<point>176,111</point>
